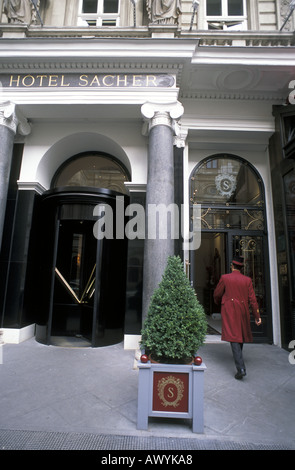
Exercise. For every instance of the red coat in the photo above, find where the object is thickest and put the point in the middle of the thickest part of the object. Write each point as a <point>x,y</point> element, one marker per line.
<point>236,293</point>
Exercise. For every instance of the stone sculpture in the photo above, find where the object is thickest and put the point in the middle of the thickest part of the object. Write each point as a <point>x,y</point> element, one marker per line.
<point>164,12</point>
<point>21,11</point>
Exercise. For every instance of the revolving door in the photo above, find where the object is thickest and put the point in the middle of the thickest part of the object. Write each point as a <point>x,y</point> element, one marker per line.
<point>83,277</point>
<point>76,280</point>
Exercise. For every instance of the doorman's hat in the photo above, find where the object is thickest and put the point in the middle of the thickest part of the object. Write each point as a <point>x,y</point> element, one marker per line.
<point>238,261</point>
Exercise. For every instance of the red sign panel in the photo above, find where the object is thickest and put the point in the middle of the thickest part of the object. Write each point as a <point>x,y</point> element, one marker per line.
<point>170,392</point>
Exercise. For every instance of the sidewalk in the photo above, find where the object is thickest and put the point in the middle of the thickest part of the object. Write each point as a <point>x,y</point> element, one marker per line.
<point>55,398</point>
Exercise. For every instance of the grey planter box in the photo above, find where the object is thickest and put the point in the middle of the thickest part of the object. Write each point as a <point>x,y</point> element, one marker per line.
<point>171,391</point>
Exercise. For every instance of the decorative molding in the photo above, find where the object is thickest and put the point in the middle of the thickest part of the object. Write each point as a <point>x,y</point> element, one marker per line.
<point>31,186</point>
<point>96,65</point>
<point>212,95</point>
<point>161,118</point>
<point>135,187</point>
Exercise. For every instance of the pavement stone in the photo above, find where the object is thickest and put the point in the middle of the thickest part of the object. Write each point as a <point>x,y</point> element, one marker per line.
<point>67,398</point>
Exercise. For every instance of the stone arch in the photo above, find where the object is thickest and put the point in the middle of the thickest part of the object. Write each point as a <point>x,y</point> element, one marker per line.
<point>73,144</point>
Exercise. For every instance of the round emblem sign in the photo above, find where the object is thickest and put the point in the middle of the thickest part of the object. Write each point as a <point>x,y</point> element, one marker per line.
<point>170,391</point>
<point>225,184</point>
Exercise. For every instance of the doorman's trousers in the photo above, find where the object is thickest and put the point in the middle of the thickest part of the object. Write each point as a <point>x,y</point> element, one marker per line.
<point>237,349</point>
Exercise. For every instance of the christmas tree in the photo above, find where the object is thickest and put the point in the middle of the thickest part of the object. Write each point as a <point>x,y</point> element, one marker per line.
<point>175,326</point>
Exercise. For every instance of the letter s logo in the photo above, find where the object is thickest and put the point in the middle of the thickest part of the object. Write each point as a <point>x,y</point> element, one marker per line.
<point>171,393</point>
<point>292,353</point>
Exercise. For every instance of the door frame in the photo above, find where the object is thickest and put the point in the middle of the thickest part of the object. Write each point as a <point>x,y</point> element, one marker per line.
<point>96,303</point>
<point>284,264</point>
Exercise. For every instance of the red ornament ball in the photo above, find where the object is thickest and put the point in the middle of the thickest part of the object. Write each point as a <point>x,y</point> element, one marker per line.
<point>144,358</point>
<point>198,360</point>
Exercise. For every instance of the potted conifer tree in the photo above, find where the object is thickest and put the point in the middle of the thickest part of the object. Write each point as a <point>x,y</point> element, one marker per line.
<point>170,372</point>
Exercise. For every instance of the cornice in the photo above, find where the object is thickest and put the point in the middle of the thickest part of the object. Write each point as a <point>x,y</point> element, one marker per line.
<point>31,186</point>
<point>209,95</point>
<point>46,57</point>
<point>27,66</point>
<point>206,37</point>
<point>179,56</point>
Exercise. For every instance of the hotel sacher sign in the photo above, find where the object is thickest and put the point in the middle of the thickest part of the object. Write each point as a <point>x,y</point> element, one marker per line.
<point>86,80</point>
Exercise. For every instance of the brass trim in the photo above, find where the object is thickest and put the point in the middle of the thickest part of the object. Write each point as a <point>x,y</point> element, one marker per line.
<point>67,285</point>
<point>88,288</point>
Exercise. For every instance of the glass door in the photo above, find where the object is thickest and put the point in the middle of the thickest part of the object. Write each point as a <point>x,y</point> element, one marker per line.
<point>208,263</point>
<point>75,280</point>
<point>251,248</point>
<point>214,258</point>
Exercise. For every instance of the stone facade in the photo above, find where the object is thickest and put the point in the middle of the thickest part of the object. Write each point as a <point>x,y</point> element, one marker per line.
<point>160,100</point>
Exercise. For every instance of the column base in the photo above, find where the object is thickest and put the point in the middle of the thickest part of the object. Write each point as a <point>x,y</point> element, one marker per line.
<point>18,335</point>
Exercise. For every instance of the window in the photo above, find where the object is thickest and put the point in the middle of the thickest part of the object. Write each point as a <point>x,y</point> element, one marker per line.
<point>225,180</point>
<point>226,14</point>
<point>92,170</point>
<point>99,13</point>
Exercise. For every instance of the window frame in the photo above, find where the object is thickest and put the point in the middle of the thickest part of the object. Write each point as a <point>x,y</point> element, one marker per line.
<point>99,19</point>
<point>225,19</point>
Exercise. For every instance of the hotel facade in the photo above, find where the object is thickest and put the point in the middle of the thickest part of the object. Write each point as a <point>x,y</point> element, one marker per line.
<point>112,107</point>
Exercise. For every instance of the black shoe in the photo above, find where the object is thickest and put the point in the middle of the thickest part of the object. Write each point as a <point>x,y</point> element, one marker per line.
<point>240,374</point>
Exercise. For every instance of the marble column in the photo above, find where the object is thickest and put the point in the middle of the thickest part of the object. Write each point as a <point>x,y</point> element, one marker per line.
<point>11,122</point>
<point>161,126</point>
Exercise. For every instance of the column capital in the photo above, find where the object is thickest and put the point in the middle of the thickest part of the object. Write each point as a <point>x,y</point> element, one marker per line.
<point>12,118</point>
<point>156,114</point>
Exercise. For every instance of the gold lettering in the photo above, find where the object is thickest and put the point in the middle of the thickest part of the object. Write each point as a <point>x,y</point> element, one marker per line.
<point>83,80</point>
<point>41,79</point>
<point>171,392</point>
<point>105,78</point>
<point>136,77</point>
<point>124,80</point>
<point>52,80</point>
<point>14,80</point>
<point>30,77</point>
<point>95,80</point>
<point>152,79</point>
<point>62,81</point>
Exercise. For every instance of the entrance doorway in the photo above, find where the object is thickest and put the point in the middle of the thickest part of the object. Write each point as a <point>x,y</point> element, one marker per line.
<point>214,258</point>
<point>233,223</point>
<point>75,280</point>
<point>82,276</point>
<point>82,279</point>
<point>208,264</point>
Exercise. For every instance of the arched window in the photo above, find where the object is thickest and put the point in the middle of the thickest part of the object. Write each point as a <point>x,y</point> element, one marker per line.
<point>92,170</point>
<point>226,179</point>
<point>230,192</point>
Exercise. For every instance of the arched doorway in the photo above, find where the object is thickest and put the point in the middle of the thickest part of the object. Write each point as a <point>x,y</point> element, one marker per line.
<point>233,222</point>
<point>82,277</point>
